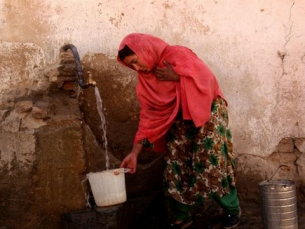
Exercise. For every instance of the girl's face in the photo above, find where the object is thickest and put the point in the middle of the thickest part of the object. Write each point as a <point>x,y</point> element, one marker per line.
<point>136,63</point>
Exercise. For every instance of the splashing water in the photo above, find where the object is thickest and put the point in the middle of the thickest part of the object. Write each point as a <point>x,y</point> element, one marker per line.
<point>99,106</point>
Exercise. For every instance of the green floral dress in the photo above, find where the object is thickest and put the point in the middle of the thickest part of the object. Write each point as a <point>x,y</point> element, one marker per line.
<point>199,161</point>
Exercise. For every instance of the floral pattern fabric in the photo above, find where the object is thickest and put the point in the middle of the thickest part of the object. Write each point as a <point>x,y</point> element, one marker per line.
<point>199,162</point>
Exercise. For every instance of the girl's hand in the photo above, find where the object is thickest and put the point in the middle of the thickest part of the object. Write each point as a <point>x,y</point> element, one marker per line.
<point>167,73</point>
<point>130,161</point>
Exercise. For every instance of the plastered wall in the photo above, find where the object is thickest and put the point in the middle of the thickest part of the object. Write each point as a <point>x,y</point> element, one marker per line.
<point>255,48</point>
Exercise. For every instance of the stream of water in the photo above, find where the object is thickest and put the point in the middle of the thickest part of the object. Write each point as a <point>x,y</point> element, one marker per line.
<point>99,105</point>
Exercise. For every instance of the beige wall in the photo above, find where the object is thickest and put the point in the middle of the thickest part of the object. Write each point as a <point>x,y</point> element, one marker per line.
<point>256,49</point>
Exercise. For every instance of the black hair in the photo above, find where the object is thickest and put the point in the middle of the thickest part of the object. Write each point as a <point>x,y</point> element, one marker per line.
<point>126,51</point>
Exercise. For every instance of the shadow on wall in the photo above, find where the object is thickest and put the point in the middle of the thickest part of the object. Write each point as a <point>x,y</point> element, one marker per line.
<point>46,149</point>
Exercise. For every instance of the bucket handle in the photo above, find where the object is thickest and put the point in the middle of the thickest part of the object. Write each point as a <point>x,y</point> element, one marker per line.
<point>125,170</point>
<point>283,167</point>
<point>87,196</point>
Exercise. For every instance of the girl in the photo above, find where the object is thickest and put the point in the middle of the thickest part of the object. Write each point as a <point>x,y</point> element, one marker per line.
<point>181,101</point>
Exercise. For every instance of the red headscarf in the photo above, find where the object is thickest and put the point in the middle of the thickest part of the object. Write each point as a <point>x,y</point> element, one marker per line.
<point>161,101</point>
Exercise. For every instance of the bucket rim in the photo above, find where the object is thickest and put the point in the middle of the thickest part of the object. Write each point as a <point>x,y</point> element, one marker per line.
<point>276,182</point>
<point>119,170</point>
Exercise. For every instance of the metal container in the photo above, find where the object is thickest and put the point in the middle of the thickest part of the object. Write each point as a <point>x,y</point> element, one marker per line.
<point>279,204</point>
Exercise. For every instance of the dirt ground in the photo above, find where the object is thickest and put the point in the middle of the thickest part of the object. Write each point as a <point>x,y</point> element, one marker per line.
<point>208,217</point>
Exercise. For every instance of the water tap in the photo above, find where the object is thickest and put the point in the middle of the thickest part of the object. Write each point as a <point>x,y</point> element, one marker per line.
<point>90,81</point>
<point>79,71</point>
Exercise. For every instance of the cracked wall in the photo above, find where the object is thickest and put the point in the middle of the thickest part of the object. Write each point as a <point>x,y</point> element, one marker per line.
<point>255,49</point>
<point>289,154</point>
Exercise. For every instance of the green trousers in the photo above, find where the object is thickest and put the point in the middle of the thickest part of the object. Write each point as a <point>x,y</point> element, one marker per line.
<point>228,202</point>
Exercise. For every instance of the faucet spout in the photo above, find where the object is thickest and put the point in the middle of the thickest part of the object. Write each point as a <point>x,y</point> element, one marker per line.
<point>79,71</point>
<point>90,82</point>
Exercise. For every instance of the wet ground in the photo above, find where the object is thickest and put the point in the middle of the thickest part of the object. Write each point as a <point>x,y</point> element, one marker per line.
<point>208,217</point>
<point>151,211</point>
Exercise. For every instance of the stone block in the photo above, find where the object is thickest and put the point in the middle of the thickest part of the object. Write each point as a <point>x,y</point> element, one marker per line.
<point>70,86</point>
<point>285,146</point>
<point>51,72</point>
<point>3,114</point>
<point>23,106</point>
<point>301,166</point>
<point>42,109</point>
<point>299,143</point>
<point>116,217</point>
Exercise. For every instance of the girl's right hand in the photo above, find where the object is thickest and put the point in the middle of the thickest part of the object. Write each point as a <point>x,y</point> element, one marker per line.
<point>166,73</point>
<point>130,161</point>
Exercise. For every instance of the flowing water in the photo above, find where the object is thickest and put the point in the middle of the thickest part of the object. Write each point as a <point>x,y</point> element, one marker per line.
<point>99,106</point>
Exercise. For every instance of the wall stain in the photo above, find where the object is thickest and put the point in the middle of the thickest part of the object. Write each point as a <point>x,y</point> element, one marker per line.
<point>303,58</point>
<point>167,5</point>
<point>26,21</point>
<point>117,20</point>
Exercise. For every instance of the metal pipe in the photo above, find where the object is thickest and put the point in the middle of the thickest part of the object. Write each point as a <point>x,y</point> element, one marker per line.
<point>80,74</point>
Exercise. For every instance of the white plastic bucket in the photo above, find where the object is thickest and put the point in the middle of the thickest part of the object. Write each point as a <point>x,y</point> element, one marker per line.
<point>108,187</point>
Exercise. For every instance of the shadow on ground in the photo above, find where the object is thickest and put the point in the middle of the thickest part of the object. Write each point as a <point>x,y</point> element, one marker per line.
<point>156,215</point>
<point>151,211</point>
